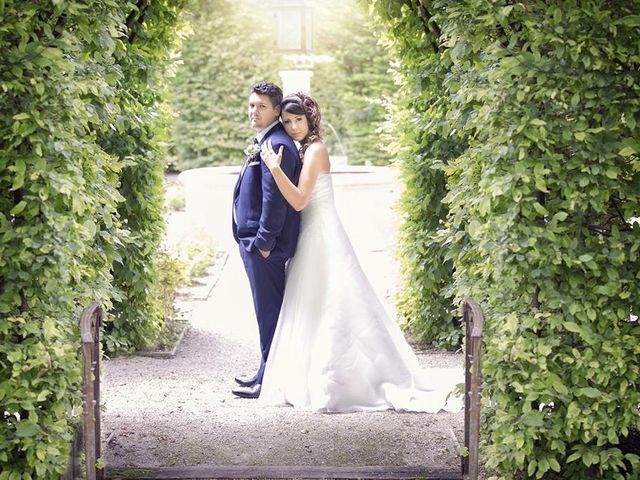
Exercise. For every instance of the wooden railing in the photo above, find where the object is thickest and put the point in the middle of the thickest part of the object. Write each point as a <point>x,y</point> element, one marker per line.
<point>90,334</point>
<point>474,322</point>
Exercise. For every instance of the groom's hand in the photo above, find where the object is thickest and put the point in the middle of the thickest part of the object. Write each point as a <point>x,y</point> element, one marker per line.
<point>265,253</point>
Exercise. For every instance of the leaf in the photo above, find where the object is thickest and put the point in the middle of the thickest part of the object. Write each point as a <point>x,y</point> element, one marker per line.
<point>540,209</point>
<point>612,172</point>
<point>474,228</point>
<point>572,327</point>
<point>533,420</point>
<point>17,210</point>
<point>560,216</point>
<point>18,182</point>
<point>26,429</point>
<point>589,392</point>
<point>560,387</point>
<point>627,151</point>
<point>629,21</point>
<point>42,396</point>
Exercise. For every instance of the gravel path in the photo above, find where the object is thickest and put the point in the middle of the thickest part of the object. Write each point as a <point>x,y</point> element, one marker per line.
<point>180,411</point>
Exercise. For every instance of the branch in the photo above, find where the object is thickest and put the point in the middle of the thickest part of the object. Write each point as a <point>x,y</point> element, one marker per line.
<point>427,15</point>
<point>614,202</point>
<point>425,21</point>
<point>137,17</point>
<point>24,305</point>
<point>535,301</point>
<point>600,230</point>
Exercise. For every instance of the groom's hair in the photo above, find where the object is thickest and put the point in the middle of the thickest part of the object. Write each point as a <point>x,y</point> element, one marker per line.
<point>271,90</point>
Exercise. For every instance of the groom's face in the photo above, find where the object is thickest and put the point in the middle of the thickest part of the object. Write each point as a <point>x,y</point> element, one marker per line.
<point>262,113</point>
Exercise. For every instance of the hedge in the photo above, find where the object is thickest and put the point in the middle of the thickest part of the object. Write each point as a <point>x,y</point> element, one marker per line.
<point>142,57</point>
<point>422,142</point>
<point>226,51</point>
<point>540,226</point>
<point>62,92</point>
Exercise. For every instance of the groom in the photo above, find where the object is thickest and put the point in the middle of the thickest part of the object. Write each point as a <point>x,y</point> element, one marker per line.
<point>264,225</point>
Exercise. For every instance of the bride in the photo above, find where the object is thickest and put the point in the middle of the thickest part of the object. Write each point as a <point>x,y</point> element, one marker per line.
<point>335,349</point>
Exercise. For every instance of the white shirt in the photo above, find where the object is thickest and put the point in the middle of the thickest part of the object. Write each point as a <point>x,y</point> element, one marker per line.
<point>264,131</point>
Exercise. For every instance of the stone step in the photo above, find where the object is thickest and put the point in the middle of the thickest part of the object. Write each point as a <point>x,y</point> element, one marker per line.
<point>232,472</point>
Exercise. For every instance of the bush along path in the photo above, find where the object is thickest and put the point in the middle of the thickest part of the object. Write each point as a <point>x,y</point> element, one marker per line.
<point>522,164</point>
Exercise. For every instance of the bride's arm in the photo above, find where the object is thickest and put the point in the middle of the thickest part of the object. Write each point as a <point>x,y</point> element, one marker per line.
<point>316,161</point>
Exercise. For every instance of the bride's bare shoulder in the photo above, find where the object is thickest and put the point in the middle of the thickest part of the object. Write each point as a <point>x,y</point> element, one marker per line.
<point>317,148</point>
<point>317,155</point>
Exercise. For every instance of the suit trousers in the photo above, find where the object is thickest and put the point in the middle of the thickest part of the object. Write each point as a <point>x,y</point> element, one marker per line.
<point>266,277</point>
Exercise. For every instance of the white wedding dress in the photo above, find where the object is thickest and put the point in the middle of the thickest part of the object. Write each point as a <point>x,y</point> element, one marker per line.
<point>335,349</point>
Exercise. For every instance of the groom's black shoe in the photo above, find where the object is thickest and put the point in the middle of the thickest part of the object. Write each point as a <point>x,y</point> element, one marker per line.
<point>248,392</point>
<point>246,381</point>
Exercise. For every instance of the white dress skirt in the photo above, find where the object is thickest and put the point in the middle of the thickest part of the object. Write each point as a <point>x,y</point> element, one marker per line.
<point>335,348</point>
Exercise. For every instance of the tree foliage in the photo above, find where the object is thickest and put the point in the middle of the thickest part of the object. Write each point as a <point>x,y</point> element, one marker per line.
<point>61,87</point>
<point>543,104</point>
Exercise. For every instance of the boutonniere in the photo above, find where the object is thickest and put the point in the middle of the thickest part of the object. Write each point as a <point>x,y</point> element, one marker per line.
<point>252,149</point>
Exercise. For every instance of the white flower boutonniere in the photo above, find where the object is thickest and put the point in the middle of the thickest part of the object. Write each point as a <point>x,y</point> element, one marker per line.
<point>252,149</point>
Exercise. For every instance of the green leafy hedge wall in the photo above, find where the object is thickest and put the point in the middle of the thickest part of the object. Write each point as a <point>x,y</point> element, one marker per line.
<point>353,87</point>
<point>542,191</point>
<point>62,223</point>
<point>136,139</point>
<point>231,45</point>
<point>423,139</point>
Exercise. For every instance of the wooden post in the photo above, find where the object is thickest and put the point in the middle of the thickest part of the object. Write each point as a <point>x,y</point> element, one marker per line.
<point>90,334</point>
<point>474,322</point>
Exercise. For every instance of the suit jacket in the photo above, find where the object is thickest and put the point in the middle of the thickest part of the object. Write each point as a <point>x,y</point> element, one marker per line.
<point>263,219</point>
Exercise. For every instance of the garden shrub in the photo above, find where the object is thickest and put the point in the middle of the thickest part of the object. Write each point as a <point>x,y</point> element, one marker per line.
<point>540,225</point>
<point>62,92</point>
<point>58,219</point>
<point>137,140</point>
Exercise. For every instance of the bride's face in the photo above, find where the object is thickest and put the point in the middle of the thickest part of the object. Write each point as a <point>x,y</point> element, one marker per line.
<point>296,126</point>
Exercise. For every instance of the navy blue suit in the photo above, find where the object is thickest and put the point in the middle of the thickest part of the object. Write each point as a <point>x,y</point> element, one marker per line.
<point>263,220</point>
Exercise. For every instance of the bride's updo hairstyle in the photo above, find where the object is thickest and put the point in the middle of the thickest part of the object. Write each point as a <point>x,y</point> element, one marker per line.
<point>302,104</point>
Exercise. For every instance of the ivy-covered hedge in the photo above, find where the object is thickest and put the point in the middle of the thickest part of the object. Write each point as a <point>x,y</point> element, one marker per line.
<point>62,94</point>
<point>544,102</point>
